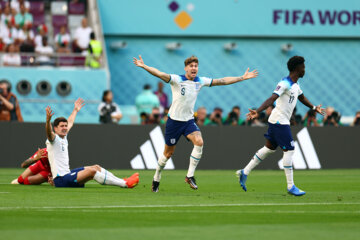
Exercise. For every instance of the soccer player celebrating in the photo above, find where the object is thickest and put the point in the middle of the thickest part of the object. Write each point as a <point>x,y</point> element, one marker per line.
<point>286,95</point>
<point>37,169</point>
<point>185,89</point>
<point>57,147</point>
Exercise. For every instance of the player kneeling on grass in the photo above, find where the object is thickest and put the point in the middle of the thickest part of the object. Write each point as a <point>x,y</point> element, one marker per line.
<point>286,95</point>
<point>57,147</point>
<point>37,170</point>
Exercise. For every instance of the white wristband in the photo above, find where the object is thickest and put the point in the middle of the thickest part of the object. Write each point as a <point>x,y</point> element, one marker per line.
<point>314,108</point>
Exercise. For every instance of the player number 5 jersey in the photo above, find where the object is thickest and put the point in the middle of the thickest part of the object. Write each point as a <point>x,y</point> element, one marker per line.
<point>184,94</point>
<point>288,92</point>
<point>58,156</point>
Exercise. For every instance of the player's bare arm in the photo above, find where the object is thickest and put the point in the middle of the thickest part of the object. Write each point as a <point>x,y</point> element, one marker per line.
<point>231,80</point>
<point>41,153</point>
<point>153,71</point>
<point>252,114</point>
<point>49,132</point>
<point>78,104</point>
<point>307,103</point>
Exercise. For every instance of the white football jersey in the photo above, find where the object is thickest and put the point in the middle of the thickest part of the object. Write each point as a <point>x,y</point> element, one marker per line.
<point>288,92</point>
<point>58,156</point>
<point>184,94</point>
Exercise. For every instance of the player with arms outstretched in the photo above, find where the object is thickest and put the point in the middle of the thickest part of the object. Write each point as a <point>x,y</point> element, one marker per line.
<point>185,89</point>
<point>37,169</point>
<point>57,147</point>
<point>286,95</point>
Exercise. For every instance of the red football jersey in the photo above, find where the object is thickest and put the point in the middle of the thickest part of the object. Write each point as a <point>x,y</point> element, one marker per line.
<point>43,160</point>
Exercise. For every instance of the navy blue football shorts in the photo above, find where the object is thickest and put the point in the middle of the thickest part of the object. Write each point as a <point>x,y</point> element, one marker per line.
<point>280,135</point>
<point>69,180</point>
<point>174,130</point>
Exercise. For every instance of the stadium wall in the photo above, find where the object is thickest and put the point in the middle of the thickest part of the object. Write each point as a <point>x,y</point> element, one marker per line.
<point>88,84</point>
<point>131,146</point>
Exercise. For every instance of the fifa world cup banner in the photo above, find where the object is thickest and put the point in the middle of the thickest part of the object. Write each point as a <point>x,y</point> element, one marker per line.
<point>268,18</point>
<point>225,147</point>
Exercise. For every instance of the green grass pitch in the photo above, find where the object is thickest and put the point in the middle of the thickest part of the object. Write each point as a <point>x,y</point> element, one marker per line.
<point>218,210</point>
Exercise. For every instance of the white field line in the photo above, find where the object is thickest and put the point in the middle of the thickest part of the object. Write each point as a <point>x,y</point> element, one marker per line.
<point>4,192</point>
<point>222,212</point>
<point>182,205</point>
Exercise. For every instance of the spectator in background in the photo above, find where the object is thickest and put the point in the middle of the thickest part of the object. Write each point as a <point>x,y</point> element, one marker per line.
<point>11,58</point>
<point>16,5</point>
<point>233,117</point>
<point>9,34</point>
<point>26,39</point>
<point>154,117</point>
<point>9,106</point>
<point>108,110</point>
<point>201,117</point>
<point>82,37</point>
<point>163,98</point>
<point>331,118</point>
<point>45,52</point>
<point>42,32</point>
<point>310,119</point>
<point>62,40</point>
<point>93,58</point>
<point>6,16</point>
<point>23,17</point>
<point>216,117</point>
<point>356,121</point>
<point>146,101</point>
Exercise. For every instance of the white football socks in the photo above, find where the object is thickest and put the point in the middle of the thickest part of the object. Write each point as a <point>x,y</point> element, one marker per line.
<point>161,164</point>
<point>287,163</point>
<point>107,178</point>
<point>194,160</point>
<point>259,156</point>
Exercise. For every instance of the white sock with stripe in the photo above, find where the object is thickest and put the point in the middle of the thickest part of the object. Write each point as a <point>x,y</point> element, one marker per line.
<point>288,168</point>
<point>259,156</point>
<point>194,160</point>
<point>161,164</point>
<point>105,178</point>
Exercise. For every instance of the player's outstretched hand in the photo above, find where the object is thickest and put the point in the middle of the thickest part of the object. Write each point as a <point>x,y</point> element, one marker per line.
<point>139,62</point>
<point>252,74</point>
<point>252,114</point>
<point>320,110</point>
<point>79,103</point>
<point>49,113</point>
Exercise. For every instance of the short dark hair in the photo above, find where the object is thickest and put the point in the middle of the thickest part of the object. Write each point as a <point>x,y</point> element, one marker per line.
<point>106,92</point>
<point>236,107</point>
<point>147,86</point>
<point>58,120</point>
<point>191,60</point>
<point>92,35</point>
<point>294,62</point>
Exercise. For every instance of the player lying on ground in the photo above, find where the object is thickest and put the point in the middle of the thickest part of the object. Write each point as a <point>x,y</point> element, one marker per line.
<point>286,95</point>
<point>57,147</point>
<point>37,170</point>
<point>185,89</point>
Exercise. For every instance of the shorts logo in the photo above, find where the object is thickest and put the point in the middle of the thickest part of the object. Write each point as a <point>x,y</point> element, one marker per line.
<point>292,143</point>
<point>173,141</point>
<point>277,88</point>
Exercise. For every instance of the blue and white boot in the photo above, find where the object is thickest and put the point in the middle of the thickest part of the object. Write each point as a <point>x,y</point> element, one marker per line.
<point>242,178</point>
<point>296,191</point>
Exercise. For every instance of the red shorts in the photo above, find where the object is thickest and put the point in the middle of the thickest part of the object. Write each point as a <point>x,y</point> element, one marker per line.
<point>38,167</point>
